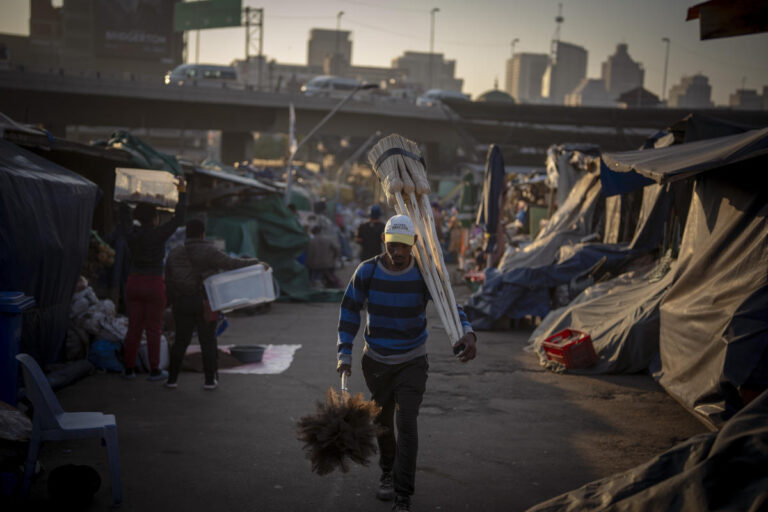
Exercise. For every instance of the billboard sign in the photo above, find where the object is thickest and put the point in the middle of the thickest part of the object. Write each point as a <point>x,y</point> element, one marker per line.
<point>207,14</point>
<point>141,29</point>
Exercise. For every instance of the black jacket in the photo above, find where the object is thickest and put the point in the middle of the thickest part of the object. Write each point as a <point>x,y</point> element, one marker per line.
<point>189,264</point>
<point>147,243</point>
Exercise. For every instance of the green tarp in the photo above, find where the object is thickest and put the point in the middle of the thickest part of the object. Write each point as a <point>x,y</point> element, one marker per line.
<point>144,155</point>
<point>266,229</point>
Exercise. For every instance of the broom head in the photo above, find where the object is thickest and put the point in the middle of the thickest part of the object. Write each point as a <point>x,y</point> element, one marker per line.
<point>341,430</point>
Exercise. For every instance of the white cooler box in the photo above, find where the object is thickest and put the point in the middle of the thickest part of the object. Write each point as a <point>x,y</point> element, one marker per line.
<point>142,185</point>
<point>240,288</point>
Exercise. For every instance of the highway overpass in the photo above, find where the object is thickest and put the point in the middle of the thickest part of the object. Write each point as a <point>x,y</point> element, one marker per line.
<point>523,131</point>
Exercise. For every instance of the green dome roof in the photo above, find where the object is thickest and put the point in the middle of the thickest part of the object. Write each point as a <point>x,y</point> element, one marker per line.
<point>495,95</point>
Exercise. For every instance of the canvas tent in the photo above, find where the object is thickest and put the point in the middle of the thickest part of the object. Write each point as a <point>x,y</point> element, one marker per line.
<point>568,247</point>
<point>709,312</point>
<point>725,470</point>
<point>46,213</point>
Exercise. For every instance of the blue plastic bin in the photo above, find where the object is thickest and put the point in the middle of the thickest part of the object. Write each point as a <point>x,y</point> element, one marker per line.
<point>12,305</point>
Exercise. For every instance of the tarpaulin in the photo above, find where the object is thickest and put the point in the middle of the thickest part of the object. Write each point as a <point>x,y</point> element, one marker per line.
<point>143,155</point>
<point>561,175</point>
<point>46,213</point>
<point>576,218</point>
<point>686,160</point>
<point>622,317</point>
<point>617,179</point>
<point>266,229</point>
<point>522,286</point>
<point>726,470</point>
<point>714,320</point>
<point>525,290</point>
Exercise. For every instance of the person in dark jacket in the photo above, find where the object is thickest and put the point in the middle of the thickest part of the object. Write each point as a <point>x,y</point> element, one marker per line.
<point>145,288</point>
<point>368,235</point>
<point>187,266</point>
<point>322,253</point>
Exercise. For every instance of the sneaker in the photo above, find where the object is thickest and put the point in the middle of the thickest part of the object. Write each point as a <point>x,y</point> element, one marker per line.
<point>129,373</point>
<point>157,375</point>
<point>386,491</point>
<point>402,504</point>
<point>171,384</point>
<point>211,385</point>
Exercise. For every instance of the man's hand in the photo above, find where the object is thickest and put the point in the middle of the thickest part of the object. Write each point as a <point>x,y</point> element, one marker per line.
<point>181,185</point>
<point>469,352</point>
<point>343,368</point>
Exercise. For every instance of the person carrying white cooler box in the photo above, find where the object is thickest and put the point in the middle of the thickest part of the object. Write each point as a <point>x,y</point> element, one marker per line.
<point>186,268</point>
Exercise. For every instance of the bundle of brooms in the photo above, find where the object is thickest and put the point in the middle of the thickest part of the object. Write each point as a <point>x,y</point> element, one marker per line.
<point>400,167</point>
<point>340,431</point>
<point>342,428</point>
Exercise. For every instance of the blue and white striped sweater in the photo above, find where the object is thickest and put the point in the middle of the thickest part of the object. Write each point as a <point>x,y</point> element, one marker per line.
<point>396,327</point>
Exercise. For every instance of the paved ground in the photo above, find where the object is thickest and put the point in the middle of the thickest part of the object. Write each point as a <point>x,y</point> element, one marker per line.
<point>499,433</point>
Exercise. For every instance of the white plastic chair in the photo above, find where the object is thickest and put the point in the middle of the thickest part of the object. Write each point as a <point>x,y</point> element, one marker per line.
<point>51,423</point>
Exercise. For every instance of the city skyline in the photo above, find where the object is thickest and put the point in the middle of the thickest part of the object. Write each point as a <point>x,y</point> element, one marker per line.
<point>478,37</point>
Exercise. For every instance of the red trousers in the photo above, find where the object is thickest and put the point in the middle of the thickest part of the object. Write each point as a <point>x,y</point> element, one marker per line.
<point>145,297</point>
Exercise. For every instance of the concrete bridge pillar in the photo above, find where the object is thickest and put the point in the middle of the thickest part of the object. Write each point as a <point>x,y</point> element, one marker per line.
<point>236,147</point>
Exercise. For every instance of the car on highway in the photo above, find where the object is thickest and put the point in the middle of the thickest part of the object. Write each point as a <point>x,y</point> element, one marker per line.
<point>434,96</point>
<point>330,87</point>
<point>206,75</point>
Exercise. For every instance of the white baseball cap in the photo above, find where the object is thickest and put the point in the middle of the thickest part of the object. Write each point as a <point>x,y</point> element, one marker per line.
<point>400,229</point>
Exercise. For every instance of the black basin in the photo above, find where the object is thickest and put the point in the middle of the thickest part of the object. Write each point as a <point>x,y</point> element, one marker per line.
<point>247,353</point>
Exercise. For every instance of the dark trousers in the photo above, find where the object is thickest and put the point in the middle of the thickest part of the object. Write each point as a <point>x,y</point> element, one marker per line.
<point>398,389</point>
<point>145,296</point>
<point>188,315</point>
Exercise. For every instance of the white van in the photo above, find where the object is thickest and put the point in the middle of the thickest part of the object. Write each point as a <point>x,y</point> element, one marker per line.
<point>433,96</point>
<point>330,87</point>
<point>203,75</point>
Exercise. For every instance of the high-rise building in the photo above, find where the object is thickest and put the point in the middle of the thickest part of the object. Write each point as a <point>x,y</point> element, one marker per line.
<point>565,72</point>
<point>746,99</point>
<point>430,70</point>
<point>101,38</point>
<point>590,92</point>
<point>692,92</point>
<point>621,73</point>
<point>325,44</point>
<point>524,74</point>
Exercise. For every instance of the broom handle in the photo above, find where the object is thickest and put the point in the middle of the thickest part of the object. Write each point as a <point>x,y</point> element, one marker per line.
<point>424,263</point>
<point>344,383</point>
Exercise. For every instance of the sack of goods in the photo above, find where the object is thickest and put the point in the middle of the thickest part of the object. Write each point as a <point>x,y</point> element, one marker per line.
<point>400,167</point>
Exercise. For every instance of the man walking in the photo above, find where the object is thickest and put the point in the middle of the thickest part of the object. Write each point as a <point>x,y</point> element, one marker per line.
<point>368,234</point>
<point>186,268</point>
<point>395,356</point>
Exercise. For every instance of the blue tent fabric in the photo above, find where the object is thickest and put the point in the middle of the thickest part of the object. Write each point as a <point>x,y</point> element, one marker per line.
<point>615,183</point>
<point>46,212</point>
<point>493,185</point>
<point>525,291</point>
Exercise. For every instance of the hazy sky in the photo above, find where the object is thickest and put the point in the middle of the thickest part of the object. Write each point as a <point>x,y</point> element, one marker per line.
<point>477,35</point>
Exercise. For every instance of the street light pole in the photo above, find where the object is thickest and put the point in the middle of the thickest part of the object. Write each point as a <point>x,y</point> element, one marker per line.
<point>514,42</point>
<point>338,29</point>
<point>432,42</point>
<point>289,165</point>
<point>666,63</point>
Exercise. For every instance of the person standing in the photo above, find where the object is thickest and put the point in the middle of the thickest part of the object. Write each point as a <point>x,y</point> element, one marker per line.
<point>322,253</point>
<point>394,359</point>
<point>145,287</point>
<point>368,234</point>
<point>188,265</point>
